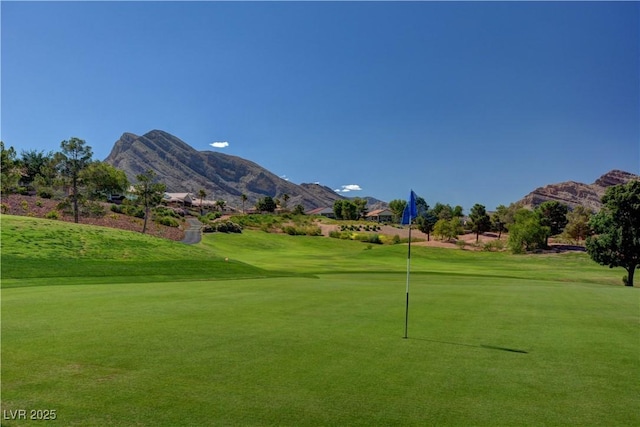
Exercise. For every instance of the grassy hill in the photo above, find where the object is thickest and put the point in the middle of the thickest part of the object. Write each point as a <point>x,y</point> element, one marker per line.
<point>123,329</point>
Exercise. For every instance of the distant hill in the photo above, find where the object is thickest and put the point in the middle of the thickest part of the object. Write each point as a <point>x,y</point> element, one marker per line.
<point>574,193</point>
<point>184,169</point>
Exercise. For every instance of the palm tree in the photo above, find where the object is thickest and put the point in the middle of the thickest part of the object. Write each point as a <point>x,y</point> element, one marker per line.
<point>244,199</point>
<point>202,194</point>
<point>220,204</point>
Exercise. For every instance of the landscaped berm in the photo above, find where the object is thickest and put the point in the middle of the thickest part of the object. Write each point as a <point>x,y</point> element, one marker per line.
<point>102,327</point>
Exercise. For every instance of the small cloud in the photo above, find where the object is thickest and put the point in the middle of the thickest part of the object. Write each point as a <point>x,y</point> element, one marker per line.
<point>284,177</point>
<point>219,144</point>
<point>349,187</point>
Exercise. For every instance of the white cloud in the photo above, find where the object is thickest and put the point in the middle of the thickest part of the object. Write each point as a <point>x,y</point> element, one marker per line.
<point>285,177</point>
<point>219,144</point>
<point>349,187</point>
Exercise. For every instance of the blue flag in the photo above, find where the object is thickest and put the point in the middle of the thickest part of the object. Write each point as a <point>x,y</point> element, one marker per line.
<point>410,211</point>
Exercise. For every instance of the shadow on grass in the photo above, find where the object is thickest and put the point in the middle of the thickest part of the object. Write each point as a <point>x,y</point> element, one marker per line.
<point>490,347</point>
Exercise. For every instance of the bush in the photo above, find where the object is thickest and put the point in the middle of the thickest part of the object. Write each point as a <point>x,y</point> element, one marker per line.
<point>496,245</point>
<point>116,208</point>
<point>369,238</point>
<point>211,216</point>
<point>168,221</point>
<point>45,193</point>
<point>52,215</point>
<point>222,227</point>
<point>4,208</point>
<point>302,231</point>
<point>94,209</point>
<point>396,239</point>
<point>24,205</point>
<point>461,244</point>
<point>133,210</point>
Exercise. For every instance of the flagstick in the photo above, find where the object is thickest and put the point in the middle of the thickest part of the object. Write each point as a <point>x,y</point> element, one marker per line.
<point>406,313</point>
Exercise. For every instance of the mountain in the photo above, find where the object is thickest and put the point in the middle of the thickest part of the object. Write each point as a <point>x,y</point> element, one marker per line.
<point>574,193</point>
<point>184,169</point>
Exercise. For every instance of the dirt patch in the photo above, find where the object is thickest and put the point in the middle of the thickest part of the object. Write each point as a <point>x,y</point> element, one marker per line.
<point>38,207</point>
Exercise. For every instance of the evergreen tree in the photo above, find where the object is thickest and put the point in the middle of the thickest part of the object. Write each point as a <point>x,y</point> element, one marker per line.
<point>72,160</point>
<point>480,221</point>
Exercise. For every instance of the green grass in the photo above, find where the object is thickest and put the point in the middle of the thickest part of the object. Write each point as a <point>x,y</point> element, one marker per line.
<point>312,335</point>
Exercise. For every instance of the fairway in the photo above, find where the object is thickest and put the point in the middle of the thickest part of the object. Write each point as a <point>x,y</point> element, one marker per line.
<point>308,331</point>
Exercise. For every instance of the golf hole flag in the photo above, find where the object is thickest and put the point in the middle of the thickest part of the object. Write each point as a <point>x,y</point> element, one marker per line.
<point>410,211</point>
<point>409,214</point>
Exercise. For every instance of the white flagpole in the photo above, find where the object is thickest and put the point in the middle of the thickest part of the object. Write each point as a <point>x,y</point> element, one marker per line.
<point>406,313</point>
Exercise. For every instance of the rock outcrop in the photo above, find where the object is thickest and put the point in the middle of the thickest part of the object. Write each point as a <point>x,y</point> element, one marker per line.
<point>576,193</point>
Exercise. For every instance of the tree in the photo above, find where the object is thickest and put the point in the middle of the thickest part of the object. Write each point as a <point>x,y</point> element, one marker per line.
<point>74,157</point>
<point>616,241</point>
<point>221,203</point>
<point>9,169</point>
<point>266,204</point>
<point>458,211</point>
<point>443,211</point>
<point>32,162</point>
<point>244,199</point>
<point>426,223</point>
<point>202,194</point>
<point>361,207</point>
<point>421,206</point>
<point>526,233</point>
<point>578,223</point>
<point>480,221</point>
<point>103,180</point>
<point>345,209</point>
<point>298,209</point>
<point>397,207</point>
<point>448,229</point>
<point>499,219</point>
<point>553,214</point>
<point>149,193</point>
<point>285,200</point>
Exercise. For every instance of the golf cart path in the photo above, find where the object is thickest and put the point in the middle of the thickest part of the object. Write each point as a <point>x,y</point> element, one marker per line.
<point>192,234</point>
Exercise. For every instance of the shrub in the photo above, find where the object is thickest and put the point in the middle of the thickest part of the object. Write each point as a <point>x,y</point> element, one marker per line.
<point>133,210</point>
<point>116,208</point>
<point>94,209</point>
<point>211,216</point>
<point>39,203</point>
<point>52,215</point>
<point>461,244</point>
<point>24,205</point>
<point>302,230</point>
<point>168,221</point>
<point>45,193</point>
<point>227,227</point>
<point>496,245</point>
<point>396,239</point>
<point>4,208</point>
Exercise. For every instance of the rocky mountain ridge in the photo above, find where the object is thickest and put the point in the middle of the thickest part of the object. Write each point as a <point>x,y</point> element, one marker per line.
<point>184,169</point>
<point>574,193</point>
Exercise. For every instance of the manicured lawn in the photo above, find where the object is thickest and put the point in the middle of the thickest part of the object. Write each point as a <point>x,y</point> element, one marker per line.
<point>493,339</point>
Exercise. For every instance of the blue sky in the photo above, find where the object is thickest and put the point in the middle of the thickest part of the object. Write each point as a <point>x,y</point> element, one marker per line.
<point>465,102</point>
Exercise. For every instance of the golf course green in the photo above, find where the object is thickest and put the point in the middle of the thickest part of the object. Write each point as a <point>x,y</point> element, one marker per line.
<point>103,327</point>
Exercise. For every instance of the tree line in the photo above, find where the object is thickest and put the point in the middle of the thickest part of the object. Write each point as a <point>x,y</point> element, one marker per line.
<point>611,236</point>
<point>73,176</point>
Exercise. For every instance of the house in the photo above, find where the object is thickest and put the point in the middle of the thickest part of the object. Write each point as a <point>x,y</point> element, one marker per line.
<point>179,199</point>
<point>380,215</point>
<point>326,212</point>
